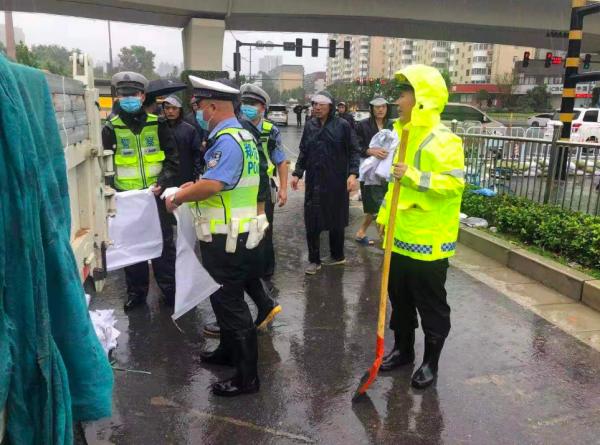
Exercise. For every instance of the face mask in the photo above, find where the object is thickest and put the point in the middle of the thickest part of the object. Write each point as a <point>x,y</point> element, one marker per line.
<point>200,119</point>
<point>251,112</point>
<point>130,104</point>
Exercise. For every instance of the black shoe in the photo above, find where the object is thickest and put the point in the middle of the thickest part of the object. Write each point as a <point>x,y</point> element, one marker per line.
<point>212,330</point>
<point>223,355</point>
<point>427,373</point>
<point>233,387</point>
<point>264,317</point>
<point>133,301</point>
<point>245,380</point>
<point>403,352</point>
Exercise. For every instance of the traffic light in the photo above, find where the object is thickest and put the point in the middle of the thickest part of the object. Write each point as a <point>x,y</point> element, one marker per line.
<point>548,61</point>
<point>314,51</point>
<point>526,59</point>
<point>587,61</point>
<point>298,47</point>
<point>289,46</point>
<point>332,48</point>
<point>347,49</point>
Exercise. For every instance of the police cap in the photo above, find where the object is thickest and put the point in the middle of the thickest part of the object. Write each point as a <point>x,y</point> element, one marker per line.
<point>254,92</point>
<point>213,89</point>
<point>128,82</point>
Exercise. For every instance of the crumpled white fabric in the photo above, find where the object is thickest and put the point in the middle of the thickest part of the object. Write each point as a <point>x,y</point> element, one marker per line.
<point>372,170</point>
<point>134,231</point>
<point>104,322</point>
<point>193,283</point>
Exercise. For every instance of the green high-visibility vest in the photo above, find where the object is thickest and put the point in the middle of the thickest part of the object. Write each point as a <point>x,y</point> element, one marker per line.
<point>138,157</point>
<point>265,134</point>
<point>239,202</point>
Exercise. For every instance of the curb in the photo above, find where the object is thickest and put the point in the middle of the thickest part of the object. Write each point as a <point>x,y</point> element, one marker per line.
<point>569,282</point>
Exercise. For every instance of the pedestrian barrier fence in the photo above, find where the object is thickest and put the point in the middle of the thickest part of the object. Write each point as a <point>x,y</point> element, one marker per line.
<point>566,174</point>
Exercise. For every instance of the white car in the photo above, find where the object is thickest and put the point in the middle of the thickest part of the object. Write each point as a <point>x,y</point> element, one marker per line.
<point>278,114</point>
<point>539,120</point>
<point>584,128</point>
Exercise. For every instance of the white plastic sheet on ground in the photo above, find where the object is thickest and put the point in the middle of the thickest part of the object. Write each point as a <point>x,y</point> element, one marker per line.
<point>134,230</point>
<point>104,322</point>
<point>193,284</point>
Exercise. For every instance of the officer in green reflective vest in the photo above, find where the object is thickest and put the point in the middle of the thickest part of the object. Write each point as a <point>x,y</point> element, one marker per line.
<point>255,102</point>
<point>427,219</point>
<point>145,156</point>
<point>229,233</point>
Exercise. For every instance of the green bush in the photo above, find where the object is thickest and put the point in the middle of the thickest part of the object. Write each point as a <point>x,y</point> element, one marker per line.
<point>572,235</point>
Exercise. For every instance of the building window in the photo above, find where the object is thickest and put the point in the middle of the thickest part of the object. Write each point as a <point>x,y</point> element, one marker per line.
<point>468,73</point>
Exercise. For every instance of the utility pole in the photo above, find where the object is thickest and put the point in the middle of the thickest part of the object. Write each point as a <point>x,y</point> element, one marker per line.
<point>110,59</point>
<point>11,51</point>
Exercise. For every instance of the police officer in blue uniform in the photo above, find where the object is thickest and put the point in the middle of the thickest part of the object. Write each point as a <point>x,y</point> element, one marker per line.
<point>254,102</point>
<point>226,197</point>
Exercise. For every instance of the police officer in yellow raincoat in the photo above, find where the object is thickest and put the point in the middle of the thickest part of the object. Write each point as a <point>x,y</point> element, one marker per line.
<point>426,226</point>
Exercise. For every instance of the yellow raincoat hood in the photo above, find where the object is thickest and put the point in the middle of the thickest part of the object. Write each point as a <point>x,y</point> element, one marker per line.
<point>431,93</point>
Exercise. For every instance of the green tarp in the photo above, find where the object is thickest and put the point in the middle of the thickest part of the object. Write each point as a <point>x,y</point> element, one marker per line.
<point>52,368</point>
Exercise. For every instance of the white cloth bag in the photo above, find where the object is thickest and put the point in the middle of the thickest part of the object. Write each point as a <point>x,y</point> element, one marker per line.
<point>134,231</point>
<point>193,283</point>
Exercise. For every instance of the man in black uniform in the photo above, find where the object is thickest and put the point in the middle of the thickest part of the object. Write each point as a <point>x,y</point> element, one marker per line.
<point>189,143</point>
<point>145,156</point>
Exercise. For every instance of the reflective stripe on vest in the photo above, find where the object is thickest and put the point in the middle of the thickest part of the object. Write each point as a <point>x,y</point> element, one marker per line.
<point>138,157</point>
<point>265,134</point>
<point>239,202</point>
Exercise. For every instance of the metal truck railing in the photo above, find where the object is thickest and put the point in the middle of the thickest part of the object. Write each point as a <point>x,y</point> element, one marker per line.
<point>566,174</point>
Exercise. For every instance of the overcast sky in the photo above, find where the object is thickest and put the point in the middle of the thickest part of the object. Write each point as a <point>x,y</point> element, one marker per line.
<point>91,36</point>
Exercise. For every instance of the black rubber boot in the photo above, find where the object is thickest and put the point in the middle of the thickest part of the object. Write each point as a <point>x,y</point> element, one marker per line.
<point>403,352</point>
<point>133,301</point>
<point>223,355</point>
<point>427,373</point>
<point>245,380</point>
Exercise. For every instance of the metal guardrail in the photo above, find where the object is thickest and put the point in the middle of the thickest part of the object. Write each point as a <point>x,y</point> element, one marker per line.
<point>566,174</point>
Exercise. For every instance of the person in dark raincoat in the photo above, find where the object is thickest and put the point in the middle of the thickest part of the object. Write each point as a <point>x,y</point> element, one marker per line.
<point>329,161</point>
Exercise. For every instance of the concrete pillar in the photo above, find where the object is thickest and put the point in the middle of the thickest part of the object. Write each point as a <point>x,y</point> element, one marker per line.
<point>203,44</point>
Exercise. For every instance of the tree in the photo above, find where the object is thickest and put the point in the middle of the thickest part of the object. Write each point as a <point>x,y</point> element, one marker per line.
<point>482,96</point>
<point>506,85</point>
<point>447,78</point>
<point>53,58</point>
<point>296,93</point>
<point>139,59</point>
<point>25,56</point>
<point>536,99</point>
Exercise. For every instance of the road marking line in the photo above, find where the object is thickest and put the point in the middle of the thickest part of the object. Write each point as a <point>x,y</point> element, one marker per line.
<point>162,401</point>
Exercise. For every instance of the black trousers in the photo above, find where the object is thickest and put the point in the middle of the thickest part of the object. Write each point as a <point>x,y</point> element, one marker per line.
<point>235,272</point>
<point>269,249</point>
<point>336,244</point>
<point>137,276</point>
<point>419,286</point>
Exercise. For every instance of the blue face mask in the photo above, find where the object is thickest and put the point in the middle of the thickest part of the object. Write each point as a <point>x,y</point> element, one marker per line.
<point>130,104</point>
<point>250,111</point>
<point>200,119</point>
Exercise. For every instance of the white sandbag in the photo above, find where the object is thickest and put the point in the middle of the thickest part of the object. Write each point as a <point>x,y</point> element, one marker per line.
<point>104,322</point>
<point>134,231</point>
<point>193,282</point>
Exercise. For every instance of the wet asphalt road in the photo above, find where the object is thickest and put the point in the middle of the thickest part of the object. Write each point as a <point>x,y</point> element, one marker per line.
<point>506,375</point>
